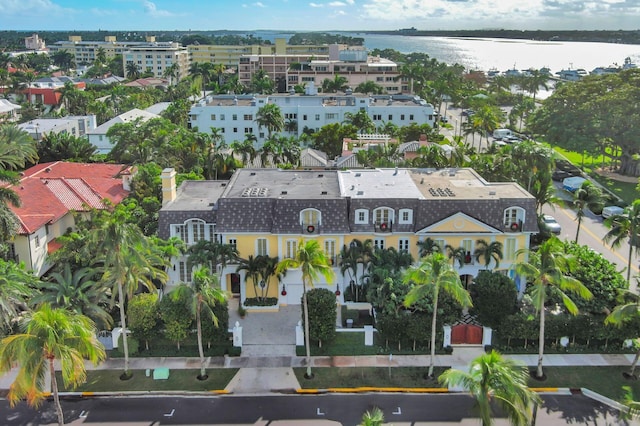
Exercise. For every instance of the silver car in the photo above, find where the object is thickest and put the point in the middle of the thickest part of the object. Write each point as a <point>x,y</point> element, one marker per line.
<point>551,225</point>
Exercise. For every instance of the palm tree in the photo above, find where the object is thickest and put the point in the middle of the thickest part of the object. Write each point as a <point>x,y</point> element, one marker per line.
<point>427,247</point>
<point>625,226</point>
<point>49,335</point>
<point>338,84</point>
<point>370,87</point>
<point>313,263</point>
<point>375,417</point>
<point>548,268</point>
<point>16,288</point>
<point>432,275</point>
<point>251,266</point>
<point>456,254</point>
<point>270,116</point>
<point>488,252</point>
<point>622,314</point>
<point>201,297</point>
<point>494,379</point>
<point>128,260</point>
<point>132,70</point>
<point>587,196</point>
<point>77,291</point>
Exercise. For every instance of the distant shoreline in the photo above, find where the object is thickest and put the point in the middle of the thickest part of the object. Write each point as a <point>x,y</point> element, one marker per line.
<point>617,37</point>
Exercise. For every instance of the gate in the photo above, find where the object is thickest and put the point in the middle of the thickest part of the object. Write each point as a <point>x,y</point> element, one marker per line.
<point>466,334</point>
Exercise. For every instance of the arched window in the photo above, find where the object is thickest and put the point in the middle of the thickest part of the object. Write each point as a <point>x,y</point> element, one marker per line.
<point>513,218</point>
<point>194,230</point>
<point>383,215</point>
<point>310,217</point>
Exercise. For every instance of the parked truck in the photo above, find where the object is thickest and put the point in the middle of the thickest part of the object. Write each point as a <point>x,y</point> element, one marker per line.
<point>502,133</point>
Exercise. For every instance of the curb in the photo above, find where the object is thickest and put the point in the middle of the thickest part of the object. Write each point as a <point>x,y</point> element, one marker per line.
<point>604,400</point>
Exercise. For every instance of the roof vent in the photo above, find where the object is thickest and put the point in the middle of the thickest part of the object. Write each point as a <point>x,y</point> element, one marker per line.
<point>492,192</point>
<point>360,193</point>
<point>320,175</point>
<point>323,193</point>
<point>284,193</point>
<point>48,169</point>
<point>252,174</point>
<point>358,174</point>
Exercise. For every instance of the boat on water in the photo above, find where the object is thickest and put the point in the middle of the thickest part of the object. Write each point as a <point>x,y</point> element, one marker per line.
<point>628,64</point>
<point>571,74</point>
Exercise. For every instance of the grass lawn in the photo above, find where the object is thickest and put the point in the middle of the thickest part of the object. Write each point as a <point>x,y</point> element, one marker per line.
<point>109,380</point>
<point>607,381</point>
<point>351,377</point>
<point>352,343</point>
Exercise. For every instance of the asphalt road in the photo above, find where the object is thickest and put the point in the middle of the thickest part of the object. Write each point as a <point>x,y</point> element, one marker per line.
<point>331,409</point>
<point>591,234</point>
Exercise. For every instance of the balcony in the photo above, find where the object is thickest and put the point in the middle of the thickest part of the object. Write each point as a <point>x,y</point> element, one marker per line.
<point>383,226</point>
<point>311,228</point>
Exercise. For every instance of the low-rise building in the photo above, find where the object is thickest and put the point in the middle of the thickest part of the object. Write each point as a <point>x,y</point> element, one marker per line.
<point>98,136</point>
<point>85,51</point>
<point>270,211</point>
<point>50,193</point>
<point>159,58</point>
<point>75,125</point>
<point>34,42</point>
<point>9,112</point>
<point>235,115</point>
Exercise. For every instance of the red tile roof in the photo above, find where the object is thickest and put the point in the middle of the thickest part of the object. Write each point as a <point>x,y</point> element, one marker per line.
<point>49,191</point>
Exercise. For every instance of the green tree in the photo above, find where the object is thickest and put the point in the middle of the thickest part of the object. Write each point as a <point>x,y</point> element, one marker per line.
<point>625,313</point>
<point>270,117</point>
<point>129,261</point>
<point>313,263</point>
<point>488,252</point>
<point>494,297</point>
<point>360,120</point>
<point>493,379</point>
<point>548,270</point>
<point>144,314</point>
<point>132,71</point>
<point>338,84</point>
<point>431,276</point>
<point>77,291</point>
<point>375,417</point>
<point>176,317</point>
<point>625,226</point>
<point>65,147</point>
<point>322,315</point>
<point>16,289</point>
<point>588,196</point>
<point>49,335</point>
<point>329,138</point>
<point>370,87</point>
<point>201,298</point>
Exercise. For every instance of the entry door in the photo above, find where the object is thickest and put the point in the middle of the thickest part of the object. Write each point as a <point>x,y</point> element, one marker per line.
<point>466,334</point>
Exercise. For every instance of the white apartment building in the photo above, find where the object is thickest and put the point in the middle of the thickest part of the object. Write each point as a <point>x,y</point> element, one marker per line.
<point>235,115</point>
<point>34,42</point>
<point>158,57</point>
<point>85,51</point>
<point>75,125</point>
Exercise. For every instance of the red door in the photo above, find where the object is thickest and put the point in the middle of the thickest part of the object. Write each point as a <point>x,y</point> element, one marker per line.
<point>466,334</point>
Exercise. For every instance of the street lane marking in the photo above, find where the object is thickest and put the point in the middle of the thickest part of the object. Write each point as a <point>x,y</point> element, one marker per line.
<point>319,412</point>
<point>84,414</point>
<point>399,412</point>
<point>597,238</point>
<point>171,413</point>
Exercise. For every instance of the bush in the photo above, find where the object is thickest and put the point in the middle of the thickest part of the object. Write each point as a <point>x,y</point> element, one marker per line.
<point>494,297</point>
<point>257,301</point>
<point>132,343</point>
<point>322,314</point>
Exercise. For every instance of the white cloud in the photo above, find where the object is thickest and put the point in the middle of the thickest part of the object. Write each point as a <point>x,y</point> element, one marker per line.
<point>259,4</point>
<point>337,4</point>
<point>316,5</point>
<point>31,7</point>
<point>151,9</point>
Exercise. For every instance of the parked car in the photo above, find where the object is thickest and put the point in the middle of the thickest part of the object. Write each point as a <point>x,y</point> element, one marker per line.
<point>560,175</point>
<point>551,225</point>
<point>511,139</point>
<point>444,119</point>
<point>468,112</point>
<point>611,211</point>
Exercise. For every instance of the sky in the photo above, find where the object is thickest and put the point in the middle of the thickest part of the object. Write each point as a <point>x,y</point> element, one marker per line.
<point>300,15</point>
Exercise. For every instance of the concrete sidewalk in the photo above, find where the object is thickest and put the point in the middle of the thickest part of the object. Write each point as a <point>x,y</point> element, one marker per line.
<point>265,374</point>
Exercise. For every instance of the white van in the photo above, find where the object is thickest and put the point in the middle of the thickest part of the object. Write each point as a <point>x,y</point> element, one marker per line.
<point>611,211</point>
<point>502,133</point>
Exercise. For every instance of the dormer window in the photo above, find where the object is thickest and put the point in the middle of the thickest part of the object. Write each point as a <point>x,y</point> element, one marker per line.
<point>405,216</point>
<point>310,220</point>
<point>362,216</point>
<point>383,219</point>
<point>513,218</point>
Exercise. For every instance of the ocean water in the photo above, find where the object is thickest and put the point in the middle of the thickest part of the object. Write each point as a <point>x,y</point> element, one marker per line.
<point>501,54</point>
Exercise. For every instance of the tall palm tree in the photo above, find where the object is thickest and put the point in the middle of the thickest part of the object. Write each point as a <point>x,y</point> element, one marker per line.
<point>251,266</point>
<point>431,276</point>
<point>588,196</point>
<point>338,84</point>
<point>313,263</point>
<point>625,226</point>
<point>456,254</point>
<point>77,291</point>
<point>201,297</point>
<point>49,335</point>
<point>132,71</point>
<point>270,116</point>
<point>488,252</point>
<point>128,260</point>
<point>494,379</point>
<point>547,269</point>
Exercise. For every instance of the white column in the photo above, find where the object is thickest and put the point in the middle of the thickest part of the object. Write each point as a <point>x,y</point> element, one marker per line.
<point>446,341</point>
<point>237,335</point>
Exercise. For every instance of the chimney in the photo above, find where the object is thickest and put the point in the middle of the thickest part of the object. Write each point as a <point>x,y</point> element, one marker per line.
<point>168,185</point>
